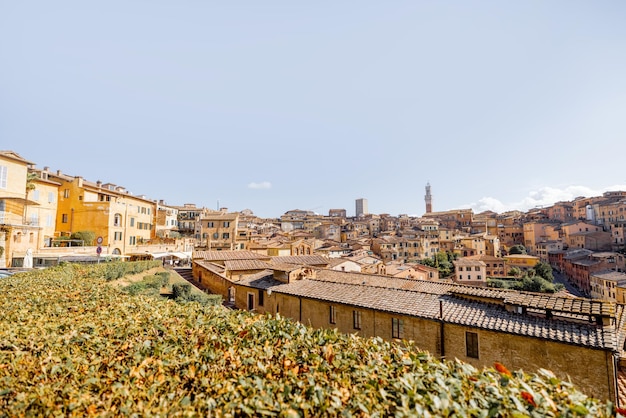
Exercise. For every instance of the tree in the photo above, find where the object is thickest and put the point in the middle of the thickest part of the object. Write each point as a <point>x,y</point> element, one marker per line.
<point>30,186</point>
<point>88,237</point>
<point>544,270</point>
<point>442,262</point>
<point>515,272</point>
<point>517,249</point>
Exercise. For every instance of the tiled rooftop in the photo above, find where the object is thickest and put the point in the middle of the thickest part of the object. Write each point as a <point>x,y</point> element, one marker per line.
<point>228,255</point>
<point>455,310</point>
<point>235,265</point>
<point>307,260</point>
<point>422,298</point>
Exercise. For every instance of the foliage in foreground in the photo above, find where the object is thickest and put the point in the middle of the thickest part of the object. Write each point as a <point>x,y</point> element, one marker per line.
<point>72,345</point>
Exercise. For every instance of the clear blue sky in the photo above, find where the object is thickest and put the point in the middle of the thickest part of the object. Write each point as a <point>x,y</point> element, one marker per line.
<point>280,105</point>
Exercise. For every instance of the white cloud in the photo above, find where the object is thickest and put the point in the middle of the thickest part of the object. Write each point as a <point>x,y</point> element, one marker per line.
<point>260,186</point>
<point>545,196</point>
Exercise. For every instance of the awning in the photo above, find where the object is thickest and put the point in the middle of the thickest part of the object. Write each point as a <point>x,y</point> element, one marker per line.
<point>178,254</point>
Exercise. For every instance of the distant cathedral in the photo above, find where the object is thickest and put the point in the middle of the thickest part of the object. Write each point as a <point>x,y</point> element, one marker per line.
<point>429,199</point>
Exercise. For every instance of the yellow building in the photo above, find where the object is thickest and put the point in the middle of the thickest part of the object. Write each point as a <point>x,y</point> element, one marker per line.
<point>607,285</point>
<point>122,220</point>
<point>521,261</point>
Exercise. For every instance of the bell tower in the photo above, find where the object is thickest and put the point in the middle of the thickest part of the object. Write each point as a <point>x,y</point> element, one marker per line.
<point>428,199</point>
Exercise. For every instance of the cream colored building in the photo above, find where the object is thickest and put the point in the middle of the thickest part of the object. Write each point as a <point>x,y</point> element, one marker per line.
<point>18,234</point>
<point>470,270</point>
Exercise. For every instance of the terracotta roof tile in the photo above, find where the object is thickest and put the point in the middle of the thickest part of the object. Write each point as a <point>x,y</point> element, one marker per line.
<point>235,265</point>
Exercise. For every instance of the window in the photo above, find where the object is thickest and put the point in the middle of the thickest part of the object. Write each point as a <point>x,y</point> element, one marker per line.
<point>397,328</point>
<point>4,171</point>
<point>64,218</point>
<point>132,240</point>
<point>250,301</point>
<point>132,221</point>
<point>225,235</point>
<point>471,344</point>
<point>261,297</point>
<point>2,209</point>
<point>50,197</point>
<point>49,220</point>
<point>356,319</point>
<point>117,220</point>
<point>209,224</point>
<point>226,224</point>
<point>477,268</point>
<point>34,219</point>
<point>66,193</point>
<point>332,315</point>
<point>117,236</point>
<point>36,195</point>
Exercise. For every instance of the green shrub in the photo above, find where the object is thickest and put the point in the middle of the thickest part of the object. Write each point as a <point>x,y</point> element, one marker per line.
<point>135,288</point>
<point>203,299</point>
<point>72,345</point>
<point>154,281</point>
<point>181,291</point>
<point>165,275</point>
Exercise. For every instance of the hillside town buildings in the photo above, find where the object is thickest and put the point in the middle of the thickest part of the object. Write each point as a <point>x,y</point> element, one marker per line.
<point>366,274</point>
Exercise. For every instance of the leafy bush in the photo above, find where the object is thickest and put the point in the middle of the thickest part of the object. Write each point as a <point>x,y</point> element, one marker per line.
<point>181,291</point>
<point>204,299</point>
<point>154,281</point>
<point>72,345</point>
<point>135,288</point>
<point>165,277</point>
<point>88,237</point>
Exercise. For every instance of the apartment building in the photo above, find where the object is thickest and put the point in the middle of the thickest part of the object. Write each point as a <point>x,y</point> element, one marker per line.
<point>17,234</point>
<point>42,212</point>
<point>561,211</point>
<point>470,271</point>
<point>166,220</point>
<point>606,285</point>
<point>537,232</point>
<point>217,230</point>
<point>453,219</point>
<point>188,214</point>
<point>124,221</point>
<point>544,248</point>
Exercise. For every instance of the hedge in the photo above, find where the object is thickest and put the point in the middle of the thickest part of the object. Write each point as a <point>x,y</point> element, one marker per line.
<point>73,345</point>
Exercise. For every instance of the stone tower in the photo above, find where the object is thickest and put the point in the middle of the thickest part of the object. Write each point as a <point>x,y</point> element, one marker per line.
<point>429,199</point>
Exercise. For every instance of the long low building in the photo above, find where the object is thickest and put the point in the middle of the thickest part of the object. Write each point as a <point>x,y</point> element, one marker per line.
<point>481,326</point>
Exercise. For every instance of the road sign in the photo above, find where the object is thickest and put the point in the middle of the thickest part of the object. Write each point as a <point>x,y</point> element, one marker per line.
<point>99,250</point>
<point>99,240</point>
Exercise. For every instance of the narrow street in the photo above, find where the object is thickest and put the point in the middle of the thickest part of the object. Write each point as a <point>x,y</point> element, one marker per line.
<point>569,288</point>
